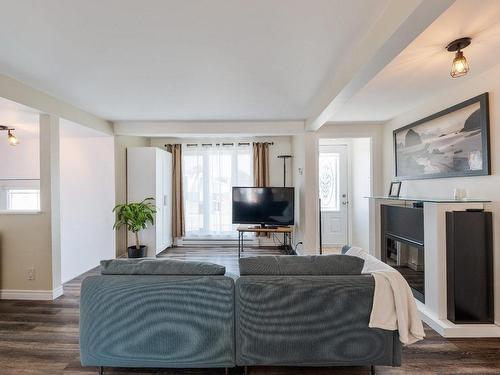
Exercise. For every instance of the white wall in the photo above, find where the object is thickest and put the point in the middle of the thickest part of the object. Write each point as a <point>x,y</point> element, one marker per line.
<point>21,161</point>
<point>360,181</point>
<point>487,187</point>
<point>121,144</point>
<point>298,182</point>
<point>282,146</point>
<point>87,199</point>
<point>305,174</point>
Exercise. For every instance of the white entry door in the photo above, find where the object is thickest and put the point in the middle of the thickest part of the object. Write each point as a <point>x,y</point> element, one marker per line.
<point>333,194</point>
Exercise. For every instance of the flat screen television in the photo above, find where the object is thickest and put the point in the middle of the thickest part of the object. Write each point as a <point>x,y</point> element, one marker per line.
<point>263,205</point>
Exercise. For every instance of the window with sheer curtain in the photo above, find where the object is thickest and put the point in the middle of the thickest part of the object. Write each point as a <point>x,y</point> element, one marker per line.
<point>209,173</point>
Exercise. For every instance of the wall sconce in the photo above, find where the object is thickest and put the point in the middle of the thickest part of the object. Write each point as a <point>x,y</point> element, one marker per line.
<point>459,67</point>
<point>11,138</point>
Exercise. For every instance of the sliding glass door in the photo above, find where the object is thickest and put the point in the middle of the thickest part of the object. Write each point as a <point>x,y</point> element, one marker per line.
<point>209,173</point>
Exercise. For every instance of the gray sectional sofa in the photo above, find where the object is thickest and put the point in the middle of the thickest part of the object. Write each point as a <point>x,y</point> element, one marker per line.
<point>152,313</point>
<point>287,311</point>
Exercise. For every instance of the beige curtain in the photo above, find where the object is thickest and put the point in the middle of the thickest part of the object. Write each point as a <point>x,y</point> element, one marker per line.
<point>261,169</point>
<point>261,164</point>
<point>178,227</point>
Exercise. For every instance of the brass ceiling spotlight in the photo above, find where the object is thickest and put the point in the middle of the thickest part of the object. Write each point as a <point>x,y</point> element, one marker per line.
<point>11,138</point>
<point>459,67</point>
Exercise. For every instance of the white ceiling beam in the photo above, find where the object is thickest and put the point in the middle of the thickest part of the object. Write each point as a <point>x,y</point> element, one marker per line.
<point>20,93</point>
<point>401,23</point>
<point>207,128</point>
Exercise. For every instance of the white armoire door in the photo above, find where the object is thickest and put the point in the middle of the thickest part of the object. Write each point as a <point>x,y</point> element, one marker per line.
<point>149,171</point>
<point>167,200</point>
<point>159,225</point>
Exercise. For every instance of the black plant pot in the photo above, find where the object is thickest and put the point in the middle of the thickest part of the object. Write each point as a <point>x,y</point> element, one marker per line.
<point>133,252</point>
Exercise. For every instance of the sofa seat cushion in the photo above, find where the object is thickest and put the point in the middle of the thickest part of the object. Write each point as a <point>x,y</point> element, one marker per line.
<point>290,265</point>
<point>159,267</point>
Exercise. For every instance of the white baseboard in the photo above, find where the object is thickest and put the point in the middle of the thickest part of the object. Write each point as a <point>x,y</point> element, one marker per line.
<point>31,295</point>
<point>57,292</point>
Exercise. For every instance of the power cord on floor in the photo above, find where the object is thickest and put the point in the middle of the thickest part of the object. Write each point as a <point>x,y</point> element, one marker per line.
<point>282,243</point>
<point>296,246</point>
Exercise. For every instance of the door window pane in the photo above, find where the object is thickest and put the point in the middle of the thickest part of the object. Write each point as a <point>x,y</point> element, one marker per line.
<point>329,181</point>
<point>193,191</point>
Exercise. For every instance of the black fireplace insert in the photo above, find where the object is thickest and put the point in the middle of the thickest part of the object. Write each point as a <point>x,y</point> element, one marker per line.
<point>403,244</point>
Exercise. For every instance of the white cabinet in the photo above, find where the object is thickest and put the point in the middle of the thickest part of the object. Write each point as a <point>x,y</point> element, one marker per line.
<point>149,174</point>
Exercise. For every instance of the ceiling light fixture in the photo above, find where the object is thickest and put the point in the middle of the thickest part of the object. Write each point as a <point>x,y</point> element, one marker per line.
<point>11,138</point>
<point>459,67</point>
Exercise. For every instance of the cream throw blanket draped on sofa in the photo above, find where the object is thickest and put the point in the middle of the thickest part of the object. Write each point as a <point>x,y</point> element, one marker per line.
<point>394,306</point>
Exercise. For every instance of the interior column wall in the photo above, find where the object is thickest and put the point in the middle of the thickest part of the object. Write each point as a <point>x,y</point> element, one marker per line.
<point>27,240</point>
<point>87,200</point>
<point>360,181</point>
<point>305,174</point>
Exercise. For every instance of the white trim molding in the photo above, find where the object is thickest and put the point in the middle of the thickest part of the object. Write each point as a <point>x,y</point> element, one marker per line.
<point>208,128</point>
<point>448,329</point>
<point>31,295</point>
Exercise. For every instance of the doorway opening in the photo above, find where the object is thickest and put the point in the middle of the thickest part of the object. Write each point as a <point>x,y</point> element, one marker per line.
<point>344,172</point>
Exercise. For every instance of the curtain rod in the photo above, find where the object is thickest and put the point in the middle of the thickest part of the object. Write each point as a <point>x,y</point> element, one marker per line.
<point>223,144</point>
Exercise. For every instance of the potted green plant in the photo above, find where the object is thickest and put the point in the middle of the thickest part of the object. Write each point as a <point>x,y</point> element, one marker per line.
<point>136,217</point>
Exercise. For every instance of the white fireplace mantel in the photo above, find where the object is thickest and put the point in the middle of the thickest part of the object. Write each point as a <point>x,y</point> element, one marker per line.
<point>434,311</point>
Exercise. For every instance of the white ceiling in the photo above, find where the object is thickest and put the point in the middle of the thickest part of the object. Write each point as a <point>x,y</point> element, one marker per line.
<point>423,68</point>
<point>182,60</point>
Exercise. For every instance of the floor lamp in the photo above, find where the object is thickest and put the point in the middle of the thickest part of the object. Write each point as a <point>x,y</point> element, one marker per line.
<point>284,157</point>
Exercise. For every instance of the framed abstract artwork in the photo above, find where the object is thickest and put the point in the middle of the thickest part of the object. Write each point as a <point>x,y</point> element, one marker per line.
<point>451,143</point>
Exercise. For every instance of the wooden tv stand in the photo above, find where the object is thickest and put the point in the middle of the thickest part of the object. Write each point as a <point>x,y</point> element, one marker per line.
<point>242,229</point>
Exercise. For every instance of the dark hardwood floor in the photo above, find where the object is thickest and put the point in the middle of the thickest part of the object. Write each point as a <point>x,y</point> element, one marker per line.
<point>41,337</point>
<point>227,256</point>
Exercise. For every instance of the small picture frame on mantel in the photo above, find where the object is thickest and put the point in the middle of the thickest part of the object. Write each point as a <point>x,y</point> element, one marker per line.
<point>395,189</point>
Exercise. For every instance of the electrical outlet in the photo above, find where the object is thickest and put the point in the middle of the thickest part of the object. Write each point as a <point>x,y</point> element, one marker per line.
<point>31,273</point>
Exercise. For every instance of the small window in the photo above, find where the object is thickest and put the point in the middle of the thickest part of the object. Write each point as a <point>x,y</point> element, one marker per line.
<point>23,199</point>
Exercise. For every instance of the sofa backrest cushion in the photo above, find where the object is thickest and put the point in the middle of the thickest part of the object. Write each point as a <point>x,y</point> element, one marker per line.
<point>159,267</point>
<point>321,265</point>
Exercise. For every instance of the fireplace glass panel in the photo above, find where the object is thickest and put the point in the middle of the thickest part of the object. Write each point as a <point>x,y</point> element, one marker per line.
<point>409,261</point>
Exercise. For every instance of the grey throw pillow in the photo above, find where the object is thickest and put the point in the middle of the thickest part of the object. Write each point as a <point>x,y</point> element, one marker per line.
<point>321,265</point>
<point>159,267</point>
